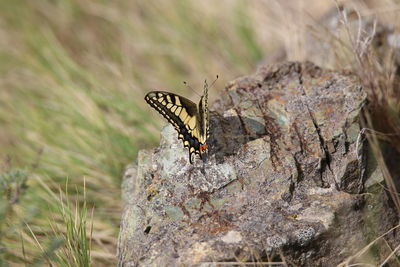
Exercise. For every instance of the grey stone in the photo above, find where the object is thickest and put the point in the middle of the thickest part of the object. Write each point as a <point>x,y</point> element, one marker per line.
<point>283,175</point>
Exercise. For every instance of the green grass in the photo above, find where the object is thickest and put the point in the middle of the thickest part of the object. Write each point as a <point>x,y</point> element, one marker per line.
<point>69,241</point>
<point>73,75</point>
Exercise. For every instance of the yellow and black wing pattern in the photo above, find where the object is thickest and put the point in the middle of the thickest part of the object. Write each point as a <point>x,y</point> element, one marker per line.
<point>189,119</point>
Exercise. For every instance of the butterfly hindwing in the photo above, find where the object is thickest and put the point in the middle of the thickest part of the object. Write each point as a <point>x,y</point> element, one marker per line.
<point>184,115</point>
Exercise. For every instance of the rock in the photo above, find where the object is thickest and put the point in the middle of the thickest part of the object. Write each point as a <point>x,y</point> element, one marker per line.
<point>282,178</point>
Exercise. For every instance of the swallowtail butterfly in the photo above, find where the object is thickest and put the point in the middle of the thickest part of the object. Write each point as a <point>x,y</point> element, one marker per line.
<point>189,119</point>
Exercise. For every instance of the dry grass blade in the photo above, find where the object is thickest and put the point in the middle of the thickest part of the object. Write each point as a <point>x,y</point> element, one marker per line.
<point>366,248</point>
<point>393,253</point>
<point>374,76</point>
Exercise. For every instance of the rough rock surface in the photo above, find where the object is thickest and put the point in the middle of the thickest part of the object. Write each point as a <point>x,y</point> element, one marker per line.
<point>281,181</point>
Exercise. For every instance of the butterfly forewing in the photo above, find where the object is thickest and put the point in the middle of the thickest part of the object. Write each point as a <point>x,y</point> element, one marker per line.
<point>184,115</point>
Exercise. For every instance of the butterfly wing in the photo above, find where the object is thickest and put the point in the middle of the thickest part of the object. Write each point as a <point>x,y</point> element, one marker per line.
<point>203,116</point>
<point>183,114</point>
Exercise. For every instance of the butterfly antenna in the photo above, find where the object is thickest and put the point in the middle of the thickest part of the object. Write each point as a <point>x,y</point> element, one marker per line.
<point>216,78</point>
<point>188,86</point>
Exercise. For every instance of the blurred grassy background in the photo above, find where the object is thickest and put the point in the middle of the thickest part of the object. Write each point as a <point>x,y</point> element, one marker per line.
<point>73,74</point>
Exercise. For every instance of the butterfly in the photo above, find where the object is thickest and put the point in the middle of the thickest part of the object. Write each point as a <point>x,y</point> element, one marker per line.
<point>190,120</point>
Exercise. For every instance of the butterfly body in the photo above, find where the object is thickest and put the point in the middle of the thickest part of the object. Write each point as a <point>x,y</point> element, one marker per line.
<point>190,120</point>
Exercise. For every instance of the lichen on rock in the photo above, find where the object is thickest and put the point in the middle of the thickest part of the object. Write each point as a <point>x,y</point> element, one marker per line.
<point>282,164</point>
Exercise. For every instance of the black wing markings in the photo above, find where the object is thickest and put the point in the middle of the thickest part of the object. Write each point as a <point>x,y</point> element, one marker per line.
<point>182,114</point>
